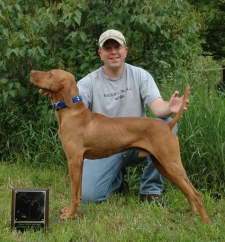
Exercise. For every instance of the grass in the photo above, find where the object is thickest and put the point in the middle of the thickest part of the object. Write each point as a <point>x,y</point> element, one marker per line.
<point>120,218</point>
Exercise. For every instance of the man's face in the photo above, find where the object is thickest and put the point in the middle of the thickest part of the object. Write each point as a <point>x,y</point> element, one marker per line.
<point>113,54</point>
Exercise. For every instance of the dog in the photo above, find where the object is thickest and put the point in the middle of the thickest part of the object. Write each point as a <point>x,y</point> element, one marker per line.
<point>84,134</point>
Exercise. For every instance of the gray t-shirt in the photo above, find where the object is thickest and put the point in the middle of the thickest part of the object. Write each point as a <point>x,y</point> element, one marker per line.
<point>124,96</point>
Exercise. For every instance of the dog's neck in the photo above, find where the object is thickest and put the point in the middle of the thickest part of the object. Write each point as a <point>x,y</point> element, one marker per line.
<point>59,105</point>
<point>60,95</point>
<point>62,98</point>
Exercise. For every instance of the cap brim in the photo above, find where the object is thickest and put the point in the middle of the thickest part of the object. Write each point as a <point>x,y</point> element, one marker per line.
<point>114,38</point>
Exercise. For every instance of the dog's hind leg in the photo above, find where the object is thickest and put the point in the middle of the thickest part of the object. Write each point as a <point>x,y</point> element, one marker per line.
<point>176,174</point>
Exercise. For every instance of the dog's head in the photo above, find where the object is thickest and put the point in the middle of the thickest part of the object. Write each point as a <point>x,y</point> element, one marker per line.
<point>60,83</point>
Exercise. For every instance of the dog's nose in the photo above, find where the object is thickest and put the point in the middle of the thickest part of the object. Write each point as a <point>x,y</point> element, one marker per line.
<point>33,75</point>
<point>33,71</point>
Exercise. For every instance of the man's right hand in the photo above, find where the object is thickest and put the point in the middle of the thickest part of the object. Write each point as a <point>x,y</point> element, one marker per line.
<point>47,94</point>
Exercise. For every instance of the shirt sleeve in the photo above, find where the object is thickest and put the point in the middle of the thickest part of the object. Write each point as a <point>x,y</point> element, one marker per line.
<point>85,90</point>
<point>148,88</point>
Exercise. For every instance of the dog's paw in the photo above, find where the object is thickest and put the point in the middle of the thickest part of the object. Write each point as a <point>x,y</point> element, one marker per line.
<point>65,210</point>
<point>68,213</point>
<point>194,213</point>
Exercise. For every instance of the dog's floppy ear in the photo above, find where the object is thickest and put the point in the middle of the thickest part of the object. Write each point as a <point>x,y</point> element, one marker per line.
<point>66,93</point>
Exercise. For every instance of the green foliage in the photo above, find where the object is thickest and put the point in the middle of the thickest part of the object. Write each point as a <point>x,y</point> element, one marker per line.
<point>203,135</point>
<point>214,35</point>
<point>34,141</point>
<point>201,129</point>
<point>162,37</point>
<point>64,35</point>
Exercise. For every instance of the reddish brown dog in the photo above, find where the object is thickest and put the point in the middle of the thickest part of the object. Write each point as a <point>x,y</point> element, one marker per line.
<point>91,135</point>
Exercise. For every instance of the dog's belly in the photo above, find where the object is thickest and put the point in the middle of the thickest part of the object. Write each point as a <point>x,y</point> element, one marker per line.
<point>103,153</point>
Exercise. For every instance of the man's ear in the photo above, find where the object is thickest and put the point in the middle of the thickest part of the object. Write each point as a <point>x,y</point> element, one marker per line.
<point>66,93</point>
<point>99,53</point>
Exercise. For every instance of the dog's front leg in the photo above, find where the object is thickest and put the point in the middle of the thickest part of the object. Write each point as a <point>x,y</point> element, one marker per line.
<point>75,171</point>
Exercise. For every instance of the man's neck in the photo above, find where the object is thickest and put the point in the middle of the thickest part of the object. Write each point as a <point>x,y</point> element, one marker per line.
<point>114,72</point>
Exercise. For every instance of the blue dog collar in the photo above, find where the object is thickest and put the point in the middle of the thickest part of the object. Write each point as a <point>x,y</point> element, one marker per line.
<point>60,105</point>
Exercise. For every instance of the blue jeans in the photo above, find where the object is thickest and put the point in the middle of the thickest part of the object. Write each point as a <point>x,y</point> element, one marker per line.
<point>101,177</point>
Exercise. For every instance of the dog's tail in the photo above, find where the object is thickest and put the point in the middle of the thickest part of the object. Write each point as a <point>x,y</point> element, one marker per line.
<point>181,110</point>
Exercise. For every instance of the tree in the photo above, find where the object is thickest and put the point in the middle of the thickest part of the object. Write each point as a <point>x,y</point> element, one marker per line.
<point>213,12</point>
<point>64,34</point>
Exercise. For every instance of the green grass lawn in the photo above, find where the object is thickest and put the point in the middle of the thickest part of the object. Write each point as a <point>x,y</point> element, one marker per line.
<point>120,218</point>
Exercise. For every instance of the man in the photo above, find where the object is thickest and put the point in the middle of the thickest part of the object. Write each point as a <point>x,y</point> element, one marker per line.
<point>120,89</point>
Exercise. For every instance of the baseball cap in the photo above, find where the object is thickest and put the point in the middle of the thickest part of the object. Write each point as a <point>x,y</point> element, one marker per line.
<point>111,34</point>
